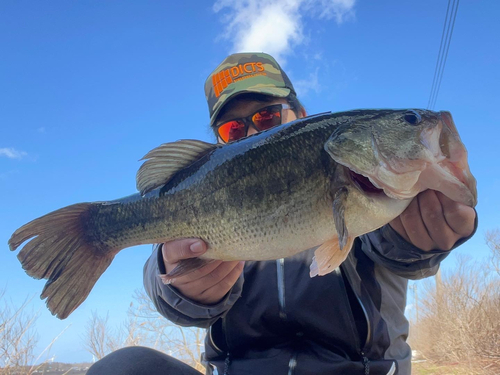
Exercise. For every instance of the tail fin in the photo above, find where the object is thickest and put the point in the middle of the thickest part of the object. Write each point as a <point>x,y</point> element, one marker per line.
<point>61,253</point>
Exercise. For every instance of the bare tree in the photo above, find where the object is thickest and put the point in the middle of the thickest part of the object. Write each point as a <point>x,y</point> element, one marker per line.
<point>493,242</point>
<point>145,327</point>
<point>183,343</point>
<point>101,339</point>
<point>460,322</point>
<point>19,338</point>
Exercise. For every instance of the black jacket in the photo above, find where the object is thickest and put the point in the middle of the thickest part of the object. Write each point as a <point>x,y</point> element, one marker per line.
<point>277,320</point>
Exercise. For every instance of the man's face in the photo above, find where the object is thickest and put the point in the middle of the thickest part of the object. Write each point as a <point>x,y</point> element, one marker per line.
<point>241,108</point>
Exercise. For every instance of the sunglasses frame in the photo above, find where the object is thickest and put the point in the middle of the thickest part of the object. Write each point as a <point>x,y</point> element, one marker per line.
<point>247,120</point>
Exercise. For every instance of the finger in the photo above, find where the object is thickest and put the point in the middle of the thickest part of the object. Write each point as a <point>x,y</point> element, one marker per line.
<point>194,275</point>
<point>415,228</point>
<point>214,277</point>
<point>174,251</point>
<point>398,226</point>
<point>196,289</point>
<point>219,290</point>
<point>459,217</point>
<point>433,217</point>
<point>210,279</point>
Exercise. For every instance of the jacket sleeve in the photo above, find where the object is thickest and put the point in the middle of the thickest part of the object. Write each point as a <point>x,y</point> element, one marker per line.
<point>387,248</point>
<point>174,306</point>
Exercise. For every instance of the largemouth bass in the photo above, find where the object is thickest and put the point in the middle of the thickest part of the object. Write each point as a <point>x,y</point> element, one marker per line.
<point>319,181</point>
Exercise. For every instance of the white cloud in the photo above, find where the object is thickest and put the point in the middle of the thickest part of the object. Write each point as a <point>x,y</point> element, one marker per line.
<point>338,9</point>
<point>12,153</point>
<point>275,26</point>
<point>304,86</point>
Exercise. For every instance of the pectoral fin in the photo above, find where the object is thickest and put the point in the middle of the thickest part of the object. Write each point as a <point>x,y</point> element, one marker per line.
<point>339,199</point>
<point>333,252</point>
<point>329,256</point>
<point>166,160</point>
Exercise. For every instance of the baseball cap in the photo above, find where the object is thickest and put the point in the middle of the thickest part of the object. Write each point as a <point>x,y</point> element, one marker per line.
<point>240,73</point>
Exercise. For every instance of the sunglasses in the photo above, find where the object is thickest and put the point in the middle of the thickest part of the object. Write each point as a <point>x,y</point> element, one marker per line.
<point>264,118</point>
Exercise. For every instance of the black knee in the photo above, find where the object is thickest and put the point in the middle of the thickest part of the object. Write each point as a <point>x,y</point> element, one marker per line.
<point>139,360</point>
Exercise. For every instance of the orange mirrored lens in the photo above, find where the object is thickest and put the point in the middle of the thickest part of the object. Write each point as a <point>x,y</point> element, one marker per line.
<point>266,119</point>
<point>263,119</point>
<point>232,131</point>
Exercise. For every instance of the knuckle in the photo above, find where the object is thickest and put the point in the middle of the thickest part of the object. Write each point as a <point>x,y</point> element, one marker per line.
<point>233,276</point>
<point>225,284</point>
<point>431,212</point>
<point>423,241</point>
<point>407,219</point>
<point>220,272</point>
<point>412,232</point>
<point>215,275</point>
<point>461,220</point>
<point>426,246</point>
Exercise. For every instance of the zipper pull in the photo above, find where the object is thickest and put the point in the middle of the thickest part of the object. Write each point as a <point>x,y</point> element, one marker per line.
<point>366,362</point>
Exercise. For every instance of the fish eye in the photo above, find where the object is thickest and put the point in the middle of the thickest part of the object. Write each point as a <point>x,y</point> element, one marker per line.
<point>412,118</point>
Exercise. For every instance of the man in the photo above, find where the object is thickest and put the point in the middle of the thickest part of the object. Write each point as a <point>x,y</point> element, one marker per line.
<point>270,317</point>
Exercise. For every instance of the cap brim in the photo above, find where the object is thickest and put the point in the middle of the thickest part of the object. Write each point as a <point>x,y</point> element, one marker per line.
<point>278,92</point>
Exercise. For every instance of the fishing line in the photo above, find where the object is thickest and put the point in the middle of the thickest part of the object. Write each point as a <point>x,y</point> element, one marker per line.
<point>448,27</point>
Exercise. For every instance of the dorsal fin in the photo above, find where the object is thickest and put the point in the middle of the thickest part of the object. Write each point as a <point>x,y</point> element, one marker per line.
<point>166,160</point>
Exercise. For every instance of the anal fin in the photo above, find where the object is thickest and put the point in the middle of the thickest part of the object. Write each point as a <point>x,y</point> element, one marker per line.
<point>329,256</point>
<point>185,267</point>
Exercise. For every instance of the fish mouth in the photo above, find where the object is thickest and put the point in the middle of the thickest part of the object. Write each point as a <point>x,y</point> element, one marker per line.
<point>364,184</point>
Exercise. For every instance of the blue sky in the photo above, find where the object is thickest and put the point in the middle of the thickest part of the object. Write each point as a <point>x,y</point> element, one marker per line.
<point>88,87</point>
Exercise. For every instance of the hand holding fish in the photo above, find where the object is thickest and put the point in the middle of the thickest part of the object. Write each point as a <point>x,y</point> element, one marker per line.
<point>207,285</point>
<point>434,221</point>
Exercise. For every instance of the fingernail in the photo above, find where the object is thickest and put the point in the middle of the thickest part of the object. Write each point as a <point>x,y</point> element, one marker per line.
<point>196,247</point>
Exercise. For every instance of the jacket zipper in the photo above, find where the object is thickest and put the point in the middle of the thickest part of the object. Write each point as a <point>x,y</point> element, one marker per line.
<point>227,361</point>
<point>366,361</point>
<point>280,268</point>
